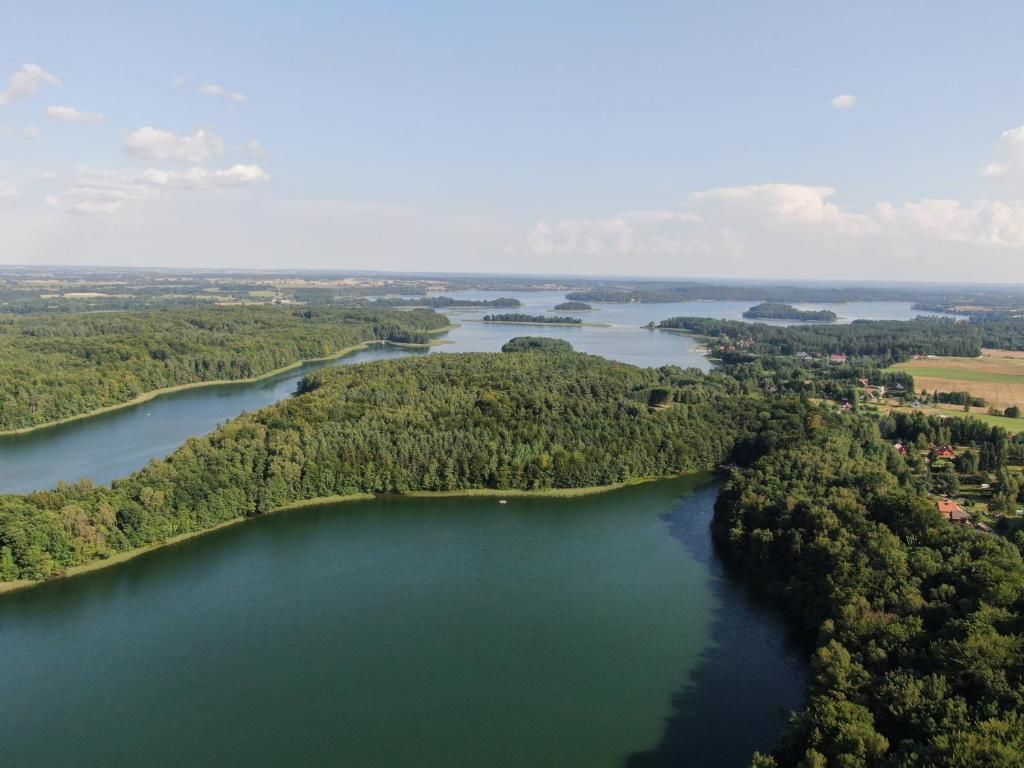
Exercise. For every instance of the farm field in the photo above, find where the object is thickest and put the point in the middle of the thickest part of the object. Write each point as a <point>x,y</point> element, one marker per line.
<point>1010,425</point>
<point>997,376</point>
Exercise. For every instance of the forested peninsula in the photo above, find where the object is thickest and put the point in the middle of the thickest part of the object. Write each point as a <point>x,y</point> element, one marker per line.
<point>515,420</point>
<point>55,367</point>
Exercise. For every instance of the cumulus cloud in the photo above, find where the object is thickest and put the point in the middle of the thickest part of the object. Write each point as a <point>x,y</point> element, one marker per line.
<point>201,178</point>
<point>151,143</point>
<point>1011,154</point>
<point>106,191</point>
<point>209,89</point>
<point>73,115</point>
<point>844,101</point>
<point>26,81</point>
<point>783,229</point>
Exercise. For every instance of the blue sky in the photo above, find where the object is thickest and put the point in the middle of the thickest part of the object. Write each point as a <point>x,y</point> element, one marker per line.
<point>631,138</point>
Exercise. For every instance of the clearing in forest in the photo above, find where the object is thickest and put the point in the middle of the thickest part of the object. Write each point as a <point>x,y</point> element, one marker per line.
<point>997,376</point>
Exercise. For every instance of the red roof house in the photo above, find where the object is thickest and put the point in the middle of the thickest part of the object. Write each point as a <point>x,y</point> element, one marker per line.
<point>953,511</point>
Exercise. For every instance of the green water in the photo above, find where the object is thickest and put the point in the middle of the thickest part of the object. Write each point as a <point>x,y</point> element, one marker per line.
<point>598,631</point>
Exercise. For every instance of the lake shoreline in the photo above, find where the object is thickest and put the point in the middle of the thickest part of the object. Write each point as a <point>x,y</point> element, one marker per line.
<point>145,397</point>
<point>9,587</point>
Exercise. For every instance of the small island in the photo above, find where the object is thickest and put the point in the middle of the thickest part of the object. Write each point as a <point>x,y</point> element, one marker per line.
<point>772,311</point>
<point>518,317</point>
<point>573,306</point>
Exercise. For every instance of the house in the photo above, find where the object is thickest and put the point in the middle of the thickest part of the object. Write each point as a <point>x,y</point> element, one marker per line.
<point>900,448</point>
<point>837,359</point>
<point>802,355</point>
<point>846,406</point>
<point>864,382</point>
<point>916,404</point>
<point>983,527</point>
<point>945,452</point>
<point>953,512</point>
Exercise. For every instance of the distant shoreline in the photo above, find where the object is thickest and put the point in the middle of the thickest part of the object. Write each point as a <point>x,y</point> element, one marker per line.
<point>554,325</point>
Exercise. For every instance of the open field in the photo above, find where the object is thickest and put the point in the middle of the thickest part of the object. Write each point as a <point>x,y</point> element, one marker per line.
<point>1010,425</point>
<point>997,376</point>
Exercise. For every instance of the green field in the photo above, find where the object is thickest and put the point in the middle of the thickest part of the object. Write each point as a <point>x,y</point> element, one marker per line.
<point>961,374</point>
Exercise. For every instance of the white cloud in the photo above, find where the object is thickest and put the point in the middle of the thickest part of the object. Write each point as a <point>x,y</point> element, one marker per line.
<point>1011,154</point>
<point>784,203</point>
<point>31,132</point>
<point>8,189</point>
<point>844,101</point>
<point>787,230</point>
<point>25,82</point>
<point>210,89</point>
<point>104,191</point>
<point>201,178</point>
<point>73,115</point>
<point>155,144</point>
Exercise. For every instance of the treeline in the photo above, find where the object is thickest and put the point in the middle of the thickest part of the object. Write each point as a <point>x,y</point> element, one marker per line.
<point>916,623</point>
<point>773,311</point>
<point>884,340</point>
<point>447,302</point>
<point>518,317</point>
<point>56,366</point>
<point>573,306</point>
<point>439,422</point>
<point>669,292</point>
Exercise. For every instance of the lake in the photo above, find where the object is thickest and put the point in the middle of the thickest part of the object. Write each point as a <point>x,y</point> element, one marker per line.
<point>595,631</point>
<point>119,442</point>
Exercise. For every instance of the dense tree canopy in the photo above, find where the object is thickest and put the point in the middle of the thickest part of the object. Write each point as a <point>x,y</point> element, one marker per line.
<point>56,366</point>
<point>440,422</point>
<point>767,310</point>
<point>519,317</point>
<point>883,340</point>
<point>917,623</point>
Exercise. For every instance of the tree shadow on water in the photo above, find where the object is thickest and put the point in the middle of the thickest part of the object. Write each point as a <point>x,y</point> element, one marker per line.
<point>749,677</point>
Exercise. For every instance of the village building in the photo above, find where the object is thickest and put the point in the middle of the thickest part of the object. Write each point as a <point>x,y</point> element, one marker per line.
<point>837,359</point>
<point>952,511</point>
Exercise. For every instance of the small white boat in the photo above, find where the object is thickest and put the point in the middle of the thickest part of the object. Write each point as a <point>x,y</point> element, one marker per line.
<point>503,501</point>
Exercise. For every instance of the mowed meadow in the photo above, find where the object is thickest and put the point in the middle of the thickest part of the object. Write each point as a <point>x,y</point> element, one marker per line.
<point>997,376</point>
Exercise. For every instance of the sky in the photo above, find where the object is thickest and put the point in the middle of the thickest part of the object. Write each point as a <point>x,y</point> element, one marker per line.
<point>789,140</point>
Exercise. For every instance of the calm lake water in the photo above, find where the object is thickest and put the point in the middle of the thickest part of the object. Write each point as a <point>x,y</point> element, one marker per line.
<point>589,632</point>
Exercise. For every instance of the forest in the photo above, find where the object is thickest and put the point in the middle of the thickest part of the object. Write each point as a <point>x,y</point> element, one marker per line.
<point>519,317</point>
<point>58,366</point>
<point>885,341</point>
<point>532,419</point>
<point>941,298</point>
<point>767,310</point>
<point>915,624</point>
